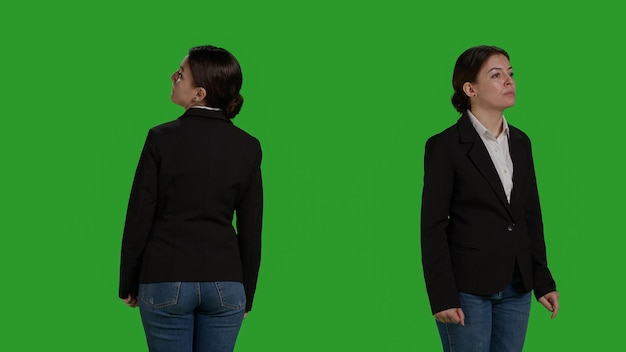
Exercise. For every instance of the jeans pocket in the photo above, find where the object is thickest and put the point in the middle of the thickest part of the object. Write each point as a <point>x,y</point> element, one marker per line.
<point>232,295</point>
<point>159,295</point>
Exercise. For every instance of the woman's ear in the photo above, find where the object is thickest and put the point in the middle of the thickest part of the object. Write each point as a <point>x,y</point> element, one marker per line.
<point>469,90</point>
<point>200,94</point>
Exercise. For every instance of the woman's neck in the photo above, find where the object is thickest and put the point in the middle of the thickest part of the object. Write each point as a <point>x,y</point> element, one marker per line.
<point>491,119</point>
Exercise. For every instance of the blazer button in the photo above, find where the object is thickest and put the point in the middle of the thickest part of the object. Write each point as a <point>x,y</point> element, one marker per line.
<point>511,227</point>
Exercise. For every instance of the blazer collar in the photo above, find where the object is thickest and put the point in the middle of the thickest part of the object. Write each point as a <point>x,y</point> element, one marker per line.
<point>204,113</point>
<point>479,156</point>
<point>467,132</point>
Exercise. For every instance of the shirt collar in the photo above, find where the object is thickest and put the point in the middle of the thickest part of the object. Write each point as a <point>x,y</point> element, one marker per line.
<point>205,107</point>
<point>481,130</point>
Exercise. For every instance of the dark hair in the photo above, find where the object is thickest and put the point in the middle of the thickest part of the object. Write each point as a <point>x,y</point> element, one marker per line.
<point>218,72</point>
<point>466,69</point>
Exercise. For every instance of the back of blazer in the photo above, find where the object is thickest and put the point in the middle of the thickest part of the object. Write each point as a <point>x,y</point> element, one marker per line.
<point>194,173</point>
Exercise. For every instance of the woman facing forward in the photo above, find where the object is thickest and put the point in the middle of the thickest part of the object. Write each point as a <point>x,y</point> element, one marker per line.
<point>482,238</point>
<point>182,262</point>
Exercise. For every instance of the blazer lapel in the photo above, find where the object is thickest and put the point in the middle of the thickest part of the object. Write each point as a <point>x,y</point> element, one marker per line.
<point>479,155</point>
<point>520,163</point>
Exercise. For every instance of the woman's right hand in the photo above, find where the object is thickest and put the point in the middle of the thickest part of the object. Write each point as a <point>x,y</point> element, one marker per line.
<point>131,301</point>
<point>451,316</point>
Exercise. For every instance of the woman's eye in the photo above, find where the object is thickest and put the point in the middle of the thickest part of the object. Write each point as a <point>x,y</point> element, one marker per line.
<point>495,75</point>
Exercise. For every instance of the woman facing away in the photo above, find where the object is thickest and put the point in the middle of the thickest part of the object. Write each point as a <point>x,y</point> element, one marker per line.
<point>482,240</point>
<point>191,273</point>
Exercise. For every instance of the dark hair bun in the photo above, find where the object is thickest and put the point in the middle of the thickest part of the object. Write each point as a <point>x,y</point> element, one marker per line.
<point>233,107</point>
<point>460,102</point>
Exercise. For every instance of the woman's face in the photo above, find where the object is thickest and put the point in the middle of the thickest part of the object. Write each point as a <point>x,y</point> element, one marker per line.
<point>184,90</point>
<point>494,88</point>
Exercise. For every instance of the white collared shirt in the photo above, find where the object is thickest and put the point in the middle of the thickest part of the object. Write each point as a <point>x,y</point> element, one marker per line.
<point>498,149</point>
<point>205,107</point>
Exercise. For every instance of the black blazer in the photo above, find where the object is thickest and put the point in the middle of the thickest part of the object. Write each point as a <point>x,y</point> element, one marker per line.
<point>193,174</point>
<point>471,236</point>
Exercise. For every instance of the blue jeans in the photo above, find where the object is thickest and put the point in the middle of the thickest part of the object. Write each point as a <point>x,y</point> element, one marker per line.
<point>192,316</point>
<point>495,323</point>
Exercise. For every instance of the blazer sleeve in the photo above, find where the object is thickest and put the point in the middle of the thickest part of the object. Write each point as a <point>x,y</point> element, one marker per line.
<point>139,218</point>
<point>543,281</point>
<point>439,176</point>
<point>249,220</point>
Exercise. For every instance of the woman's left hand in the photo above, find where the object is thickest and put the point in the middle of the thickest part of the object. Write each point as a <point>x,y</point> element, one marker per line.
<point>551,302</point>
<point>131,301</point>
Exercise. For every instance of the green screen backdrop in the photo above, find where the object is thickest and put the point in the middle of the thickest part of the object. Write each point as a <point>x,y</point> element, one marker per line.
<point>342,95</point>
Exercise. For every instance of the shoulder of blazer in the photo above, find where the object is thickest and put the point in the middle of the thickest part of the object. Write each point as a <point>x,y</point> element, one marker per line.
<point>219,117</point>
<point>194,118</point>
<point>450,134</point>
